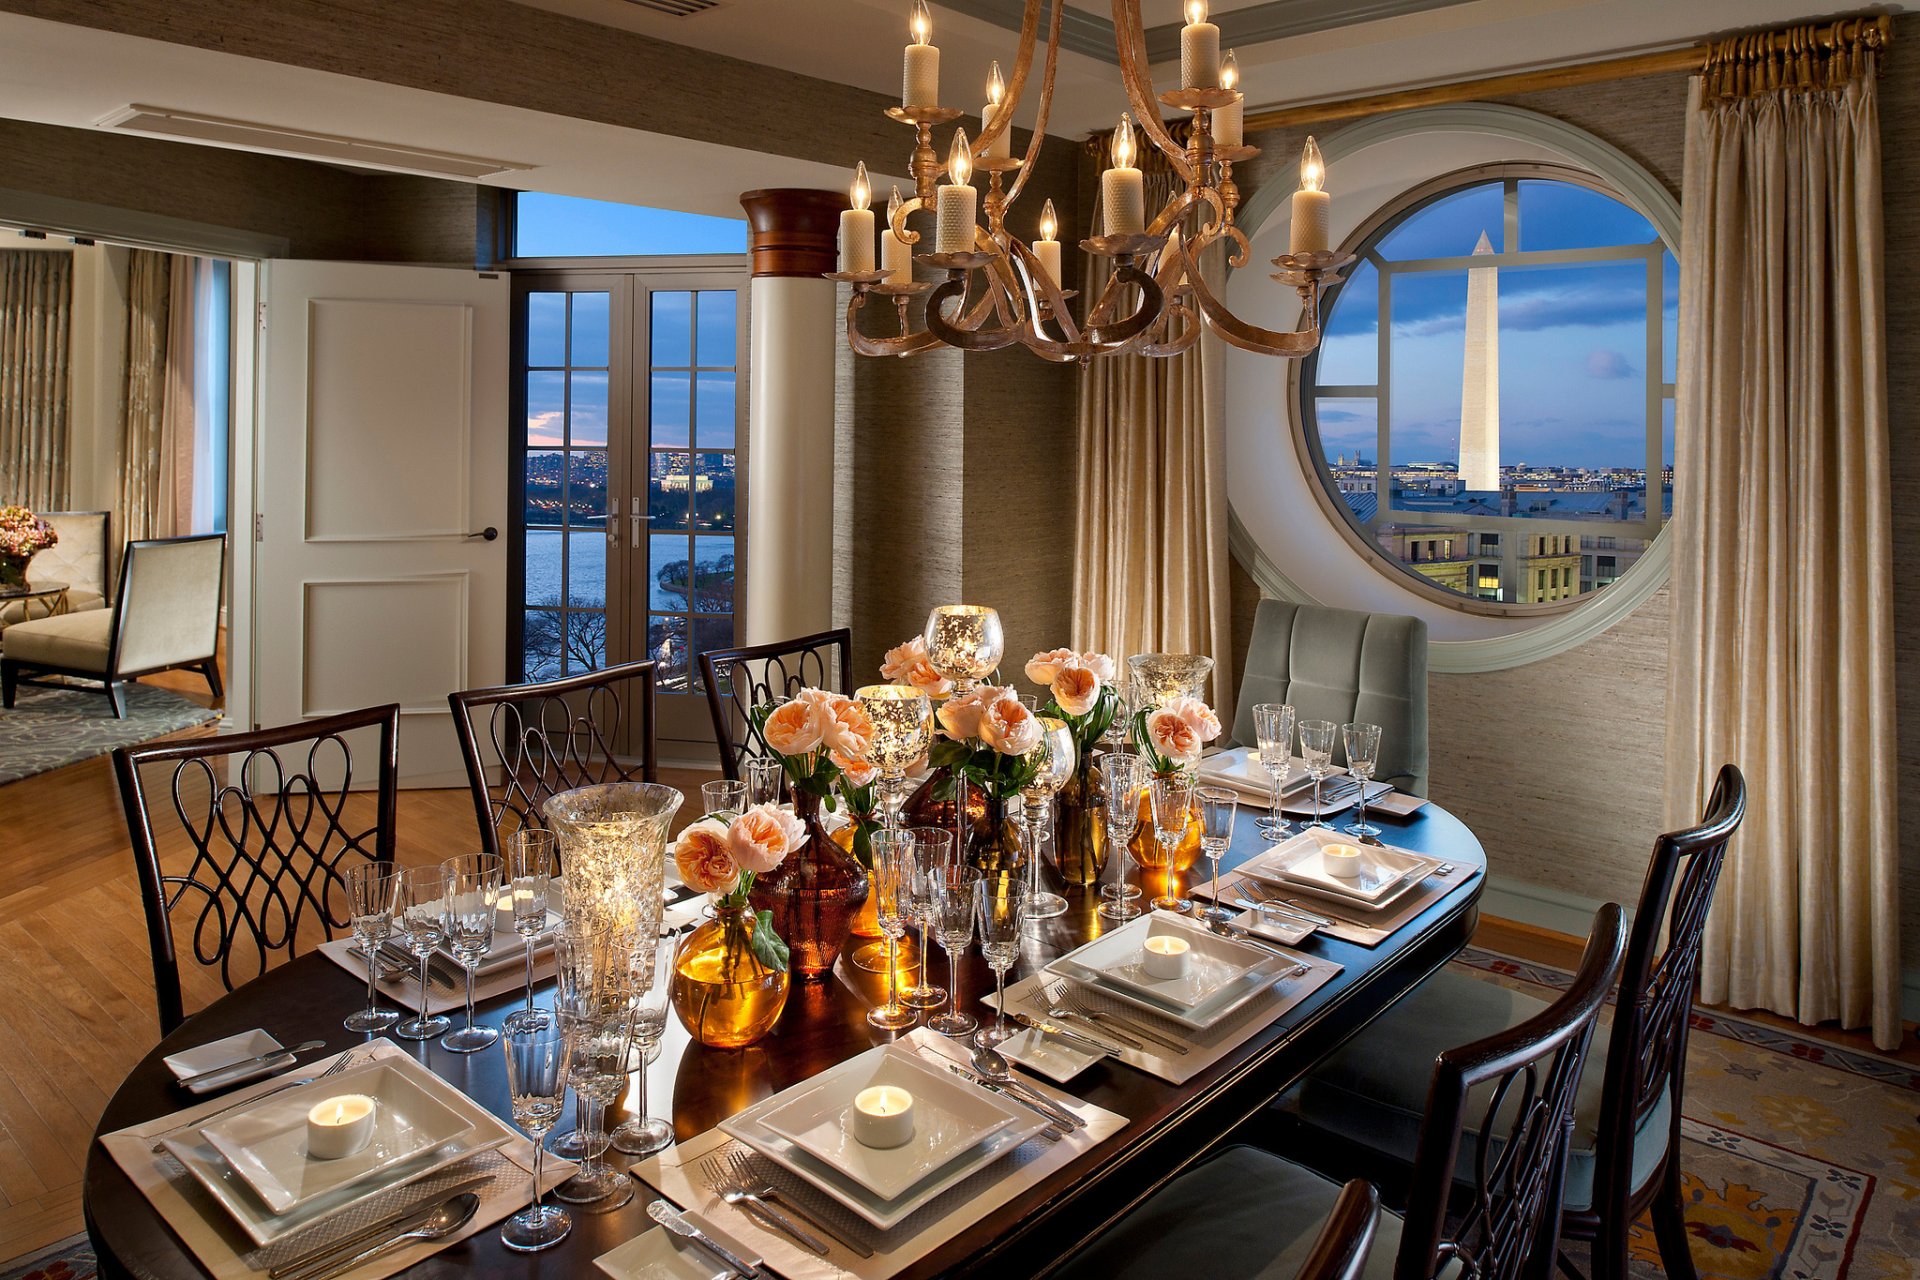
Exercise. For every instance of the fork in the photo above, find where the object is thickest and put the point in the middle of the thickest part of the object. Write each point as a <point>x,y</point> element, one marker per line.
<point>736,1193</point>
<point>1057,1007</point>
<point>746,1178</point>
<point>340,1064</point>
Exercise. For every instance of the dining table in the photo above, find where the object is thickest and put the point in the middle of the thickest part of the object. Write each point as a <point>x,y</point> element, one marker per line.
<point>1168,1127</point>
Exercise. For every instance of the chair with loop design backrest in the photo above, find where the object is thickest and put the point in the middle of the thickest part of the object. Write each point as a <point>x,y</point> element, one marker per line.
<point>738,680</point>
<point>553,736</point>
<point>269,826</point>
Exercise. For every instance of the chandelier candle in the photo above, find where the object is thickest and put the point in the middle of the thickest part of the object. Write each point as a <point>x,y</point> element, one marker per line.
<point>896,255</point>
<point>1046,248</point>
<point>1123,193</point>
<point>920,86</point>
<point>856,225</point>
<point>1230,121</point>
<point>1001,147</point>
<point>1199,49</point>
<point>958,202</point>
<point>1312,207</point>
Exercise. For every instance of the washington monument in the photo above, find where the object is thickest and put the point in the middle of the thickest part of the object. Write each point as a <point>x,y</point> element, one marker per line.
<point>1480,389</point>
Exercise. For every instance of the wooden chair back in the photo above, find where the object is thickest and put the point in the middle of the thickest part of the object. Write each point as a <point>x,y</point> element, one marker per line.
<point>738,680</point>
<point>1340,1250</point>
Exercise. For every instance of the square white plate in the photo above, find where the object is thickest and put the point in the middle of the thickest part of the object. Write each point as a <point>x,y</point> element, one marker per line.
<point>950,1117</point>
<point>1048,1055</point>
<point>215,1054</point>
<point>267,1145</point>
<point>660,1255</point>
<point>1387,874</point>
<point>1100,964</point>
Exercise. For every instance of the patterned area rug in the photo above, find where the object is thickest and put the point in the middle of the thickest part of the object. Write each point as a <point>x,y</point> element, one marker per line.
<point>70,1259</point>
<point>48,728</point>
<point>1801,1159</point>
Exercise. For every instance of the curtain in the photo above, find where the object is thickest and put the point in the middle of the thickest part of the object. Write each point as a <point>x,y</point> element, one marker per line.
<point>1782,651</point>
<point>36,305</point>
<point>149,291</point>
<point>179,436</point>
<point>1150,539</point>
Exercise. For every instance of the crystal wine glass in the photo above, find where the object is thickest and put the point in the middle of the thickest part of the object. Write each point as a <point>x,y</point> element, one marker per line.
<point>1273,732</point>
<point>766,781</point>
<point>529,872</point>
<point>955,887</point>
<point>893,872</point>
<point>423,916</point>
<point>473,902</point>
<point>1316,748</point>
<point>1124,775</point>
<point>932,848</point>
<point>1218,806</point>
<point>1002,916</point>
<point>723,798</point>
<point>1363,755</point>
<point>584,955</point>
<point>1054,757</point>
<point>644,1134</point>
<point>373,892</point>
<point>1172,810</point>
<point>537,1062</point>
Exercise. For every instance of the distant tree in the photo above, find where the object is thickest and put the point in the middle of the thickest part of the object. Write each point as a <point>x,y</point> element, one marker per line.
<point>570,641</point>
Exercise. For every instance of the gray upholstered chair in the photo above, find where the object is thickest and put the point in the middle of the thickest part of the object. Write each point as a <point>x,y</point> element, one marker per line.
<point>79,559</point>
<point>1342,665</point>
<point>165,615</point>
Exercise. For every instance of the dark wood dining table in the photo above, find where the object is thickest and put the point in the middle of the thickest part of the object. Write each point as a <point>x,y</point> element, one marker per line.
<point>1170,1126</point>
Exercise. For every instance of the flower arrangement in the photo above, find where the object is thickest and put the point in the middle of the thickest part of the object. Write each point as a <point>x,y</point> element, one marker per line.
<point>1081,685</point>
<point>908,664</point>
<point>989,733</point>
<point>818,737</point>
<point>1171,737</point>
<point>722,859</point>
<point>21,534</point>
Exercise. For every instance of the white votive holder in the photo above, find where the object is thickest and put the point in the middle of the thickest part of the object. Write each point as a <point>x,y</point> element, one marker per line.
<point>882,1117</point>
<point>1343,860</point>
<point>340,1126</point>
<point>1165,956</point>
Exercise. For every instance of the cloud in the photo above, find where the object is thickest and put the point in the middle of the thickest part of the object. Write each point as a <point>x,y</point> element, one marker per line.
<point>1608,365</point>
<point>547,428</point>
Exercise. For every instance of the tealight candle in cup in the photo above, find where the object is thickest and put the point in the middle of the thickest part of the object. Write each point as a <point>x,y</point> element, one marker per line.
<point>1166,956</point>
<point>340,1126</point>
<point>1341,860</point>
<point>882,1116</point>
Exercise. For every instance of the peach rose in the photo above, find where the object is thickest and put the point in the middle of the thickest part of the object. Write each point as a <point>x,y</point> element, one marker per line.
<point>1173,736</point>
<point>857,772</point>
<point>705,859</point>
<point>1100,664</point>
<point>908,664</point>
<point>960,717</point>
<point>763,836</point>
<point>848,728</point>
<point>1009,728</point>
<point>1198,715</point>
<point>795,728</point>
<point>1076,689</point>
<point>1044,668</point>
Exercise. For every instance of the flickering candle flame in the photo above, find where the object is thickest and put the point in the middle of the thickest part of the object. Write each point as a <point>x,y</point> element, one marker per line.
<point>1196,11</point>
<point>1123,198</point>
<point>893,205</point>
<point>921,23</point>
<point>960,159</point>
<point>1230,72</point>
<point>996,87</point>
<point>1313,170</point>
<point>1123,142</point>
<point>1049,221</point>
<point>861,192</point>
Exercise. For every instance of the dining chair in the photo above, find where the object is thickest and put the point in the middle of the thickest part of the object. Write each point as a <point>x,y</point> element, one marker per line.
<point>1248,1212</point>
<point>78,559</point>
<point>1343,665</point>
<point>553,736</point>
<point>1365,1102</point>
<point>267,826</point>
<point>738,680</point>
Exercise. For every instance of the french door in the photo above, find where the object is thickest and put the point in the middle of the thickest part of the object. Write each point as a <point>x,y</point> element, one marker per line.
<point>629,426</point>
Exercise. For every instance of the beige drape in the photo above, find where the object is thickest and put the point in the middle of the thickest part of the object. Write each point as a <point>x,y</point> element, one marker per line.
<point>1150,541</point>
<point>158,444</point>
<point>173,508</point>
<point>36,306</point>
<point>1782,657</point>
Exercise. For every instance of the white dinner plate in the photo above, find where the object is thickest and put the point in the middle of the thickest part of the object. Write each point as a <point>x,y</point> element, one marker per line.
<point>1387,873</point>
<point>950,1117</point>
<point>1106,964</point>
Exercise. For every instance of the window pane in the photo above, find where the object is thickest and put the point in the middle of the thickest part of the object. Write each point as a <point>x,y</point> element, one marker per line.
<point>1349,437</point>
<point>550,226</point>
<point>667,569</point>
<point>1565,215</point>
<point>671,394</point>
<point>717,319</point>
<point>672,329</point>
<point>714,409</point>
<point>587,570</point>
<point>586,641</point>
<point>545,495</point>
<point>546,409</point>
<point>709,634</point>
<point>713,575</point>
<point>667,645</point>
<point>1669,316</point>
<point>592,330</point>
<point>1350,340</point>
<point>587,413</point>
<point>544,570</point>
<point>541,632</point>
<point>713,492</point>
<point>546,328</point>
<point>587,488</point>
<point>1450,226</point>
<point>1429,341</point>
<point>668,491</point>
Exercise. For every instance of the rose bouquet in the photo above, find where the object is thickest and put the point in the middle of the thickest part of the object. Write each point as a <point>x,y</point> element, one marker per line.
<point>722,859</point>
<point>1172,736</point>
<point>989,733</point>
<point>817,736</point>
<point>1081,685</point>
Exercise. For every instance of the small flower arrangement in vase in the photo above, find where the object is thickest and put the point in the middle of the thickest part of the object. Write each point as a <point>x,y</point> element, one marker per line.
<point>1080,686</point>
<point>730,974</point>
<point>22,534</point>
<point>989,735</point>
<point>1171,738</point>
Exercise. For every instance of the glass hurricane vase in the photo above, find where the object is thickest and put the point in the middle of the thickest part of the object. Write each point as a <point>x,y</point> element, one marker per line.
<point>725,995</point>
<point>813,895</point>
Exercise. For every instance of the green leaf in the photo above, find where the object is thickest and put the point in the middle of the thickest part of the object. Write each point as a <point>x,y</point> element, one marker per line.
<point>767,945</point>
<point>949,753</point>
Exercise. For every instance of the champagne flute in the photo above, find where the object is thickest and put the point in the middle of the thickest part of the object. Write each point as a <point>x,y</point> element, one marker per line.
<point>766,781</point>
<point>1172,810</point>
<point>1002,916</point>
<point>530,881</point>
<point>1363,756</point>
<point>1316,748</point>
<point>1054,757</point>
<point>1218,806</point>
<point>373,892</point>
<point>1124,775</point>
<point>473,903</point>
<point>596,1020</point>
<point>644,1134</point>
<point>423,916</point>
<point>723,798</point>
<point>1273,731</point>
<point>893,872</point>
<point>582,956</point>
<point>955,892</point>
<point>932,848</point>
<point>537,1063</point>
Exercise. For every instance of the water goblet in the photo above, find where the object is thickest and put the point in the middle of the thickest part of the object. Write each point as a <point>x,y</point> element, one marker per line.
<point>1123,775</point>
<point>723,798</point>
<point>1316,748</point>
<point>932,848</point>
<point>893,872</point>
<point>766,781</point>
<point>1363,755</point>
<point>423,918</point>
<point>473,901</point>
<point>644,1134</point>
<point>1003,914</point>
<point>529,873</point>
<point>373,893</point>
<point>1172,799</point>
<point>1218,806</point>
<point>537,1063</point>
<point>1273,733</point>
<point>955,893</point>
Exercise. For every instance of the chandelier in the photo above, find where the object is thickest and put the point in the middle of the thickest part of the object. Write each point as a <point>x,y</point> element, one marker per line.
<point>1000,290</point>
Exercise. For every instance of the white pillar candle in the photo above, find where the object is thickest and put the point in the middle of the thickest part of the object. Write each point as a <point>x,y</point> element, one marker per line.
<point>1199,49</point>
<point>1002,145</point>
<point>958,204</point>
<point>1312,207</point>
<point>1165,956</point>
<point>1046,248</point>
<point>856,225</point>
<point>1123,193</point>
<point>920,82</point>
<point>340,1126</point>
<point>882,1117</point>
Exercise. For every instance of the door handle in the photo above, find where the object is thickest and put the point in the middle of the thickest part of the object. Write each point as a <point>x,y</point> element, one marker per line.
<point>489,533</point>
<point>635,520</point>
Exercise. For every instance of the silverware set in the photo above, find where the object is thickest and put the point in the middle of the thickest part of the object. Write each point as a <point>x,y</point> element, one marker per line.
<point>735,1180</point>
<point>431,1221</point>
<point>1064,1001</point>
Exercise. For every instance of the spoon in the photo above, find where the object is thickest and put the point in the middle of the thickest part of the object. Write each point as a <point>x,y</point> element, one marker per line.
<point>989,1063</point>
<point>447,1217</point>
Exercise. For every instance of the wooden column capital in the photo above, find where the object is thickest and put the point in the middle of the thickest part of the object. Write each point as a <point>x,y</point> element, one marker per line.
<point>794,231</point>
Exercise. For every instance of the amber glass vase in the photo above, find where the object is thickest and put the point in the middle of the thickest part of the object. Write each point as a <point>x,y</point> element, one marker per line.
<point>813,895</point>
<point>994,844</point>
<point>1080,838</point>
<point>723,994</point>
<point>1164,874</point>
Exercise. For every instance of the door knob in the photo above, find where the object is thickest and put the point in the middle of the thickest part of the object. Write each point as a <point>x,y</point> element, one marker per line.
<point>489,533</point>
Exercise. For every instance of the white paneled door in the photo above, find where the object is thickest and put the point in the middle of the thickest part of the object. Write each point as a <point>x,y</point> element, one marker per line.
<point>382,458</point>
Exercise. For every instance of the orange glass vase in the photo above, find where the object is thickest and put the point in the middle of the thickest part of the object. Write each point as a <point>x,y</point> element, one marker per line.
<point>813,896</point>
<point>1165,875</point>
<point>725,995</point>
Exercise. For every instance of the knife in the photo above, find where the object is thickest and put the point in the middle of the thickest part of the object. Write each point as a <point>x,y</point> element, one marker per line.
<point>1058,1115</point>
<point>675,1221</point>
<point>246,1066</point>
<point>1047,1028</point>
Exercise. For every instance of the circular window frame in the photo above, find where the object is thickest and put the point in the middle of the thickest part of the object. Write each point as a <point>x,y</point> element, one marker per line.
<point>1306,439</point>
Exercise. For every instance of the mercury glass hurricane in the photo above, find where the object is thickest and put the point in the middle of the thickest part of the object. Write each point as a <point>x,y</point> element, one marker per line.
<point>964,643</point>
<point>902,733</point>
<point>1156,679</point>
<point>1055,759</point>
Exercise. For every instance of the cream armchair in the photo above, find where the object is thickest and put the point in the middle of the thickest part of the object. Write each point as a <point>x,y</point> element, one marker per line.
<point>165,615</point>
<point>79,559</point>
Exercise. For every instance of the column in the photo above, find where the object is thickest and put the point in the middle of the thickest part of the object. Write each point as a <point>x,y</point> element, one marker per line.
<point>790,434</point>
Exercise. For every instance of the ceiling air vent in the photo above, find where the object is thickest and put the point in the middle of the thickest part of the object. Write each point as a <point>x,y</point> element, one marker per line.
<point>676,8</point>
<point>188,126</point>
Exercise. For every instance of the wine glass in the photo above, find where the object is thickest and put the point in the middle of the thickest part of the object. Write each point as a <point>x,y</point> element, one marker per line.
<point>893,871</point>
<point>1218,806</point>
<point>1273,731</point>
<point>644,1134</point>
<point>1124,775</point>
<point>1054,757</point>
<point>423,917</point>
<point>373,891</point>
<point>1316,748</point>
<point>473,902</point>
<point>529,873</point>
<point>902,719</point>
<point>766,781</point>
<point>723,798</point>
<point>1363,755</point>
<point>1172,809</point>
<point>955,889</point>
<point>585,955</point>
<point>932,848</point>
<point>1002,915</point>
<point>537,1062</point>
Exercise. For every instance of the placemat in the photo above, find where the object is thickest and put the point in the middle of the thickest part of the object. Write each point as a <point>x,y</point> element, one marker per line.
<point>676,1172</point>
<point>1351,923</point>
<point>442,997</point>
